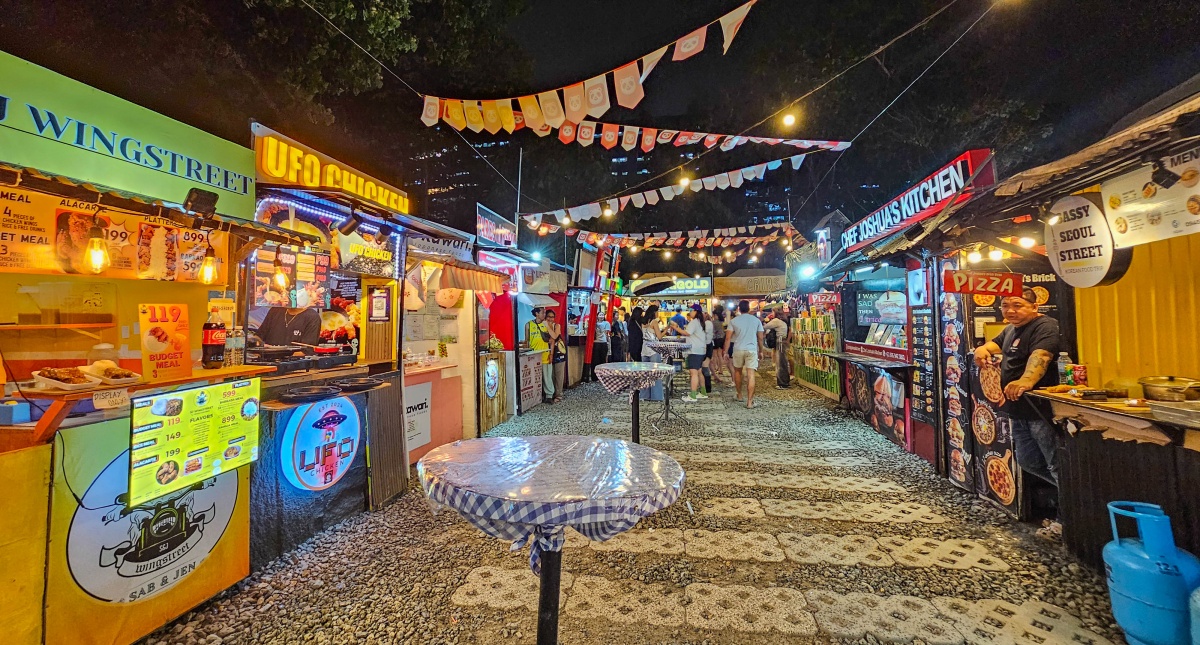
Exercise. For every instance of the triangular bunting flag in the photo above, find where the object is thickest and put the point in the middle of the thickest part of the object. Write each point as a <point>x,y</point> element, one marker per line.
<point>690,45</point>
<point>585,133</point>
<point>696,185</point>
<point>560,214</point>
<point>683,138</point>
<point>474,116</point>
<point>691,243</point>
<point>504,108</point>
<point>710,183</point>
<point>722,181</point>
<point>518,121</point>
<point>491,117</point>
<point>454,114</point>
<point>543,130</point>
<point>596,93</point>
<point>648,137</point>
<point>575,103</point>
<point>624,201</point>
<point>608,135</point>
<point>432,110</point>
<point>650,60</point>
<point>566,133</point>
<point>614,205</point>
<point>711,140</point>
<point>531,111</point>
<point>774,165</point>
<point>729,143</point>
<point>697,137</point>
<point>638,199</point>
<point>651,197</point>
<point>797,160</point>
<point>665,136</point>
<point>552,110</point>
<point>629,137</point>
<point>677,189</point>
<point>628,85</point>
<point>667,193</point>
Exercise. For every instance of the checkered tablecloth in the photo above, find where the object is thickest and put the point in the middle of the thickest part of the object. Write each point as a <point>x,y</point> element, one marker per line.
<point>528,489</point>
<point>670,348</point>
<point>630,377</point>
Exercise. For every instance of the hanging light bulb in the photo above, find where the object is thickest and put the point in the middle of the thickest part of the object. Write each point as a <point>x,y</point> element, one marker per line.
<point>208,268</point>
<point>697,276</point>
<point>635,276</point>
<point>1027,242</point>
<point>667,254</point>
<point>97,247</point>
<point>684,181</point>
<point>720,271</point>
<point>974,257</point>
<point>607,211</point>
<point>758,251</point>
<point>566,220</point>
<point>280,277</point>
<point>729,254</point>
<point>789,119</point>
<point>633,249</point>
<point>995,255</point>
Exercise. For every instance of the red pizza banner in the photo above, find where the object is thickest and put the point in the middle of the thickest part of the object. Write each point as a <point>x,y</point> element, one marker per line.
<point>988,283</point>
<point>830,298</point>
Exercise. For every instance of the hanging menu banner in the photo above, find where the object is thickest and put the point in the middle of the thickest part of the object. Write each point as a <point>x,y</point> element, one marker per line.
<point>42,233</point>
<point>1155,202</point>
<point>989,283</point>
<point>307,284</point>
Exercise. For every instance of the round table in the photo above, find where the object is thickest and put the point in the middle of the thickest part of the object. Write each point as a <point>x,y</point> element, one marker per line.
<point>670,349</point>
<point>632,377</point>
<point>528,489</point>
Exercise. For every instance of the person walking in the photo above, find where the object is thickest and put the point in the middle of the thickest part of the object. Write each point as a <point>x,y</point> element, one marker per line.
<point>537,337</point>
<point>746,338</point>
<point>718,361</point>
<point>558,350</point>
<point>620,336</point>
<point>776,339</point>
<point>635,334</point>
<point>1027,347</point>
<point>698,348</point>
<point>599,347</point>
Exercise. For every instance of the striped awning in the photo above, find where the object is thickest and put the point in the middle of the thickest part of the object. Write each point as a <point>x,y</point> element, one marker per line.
<point>457,274</point>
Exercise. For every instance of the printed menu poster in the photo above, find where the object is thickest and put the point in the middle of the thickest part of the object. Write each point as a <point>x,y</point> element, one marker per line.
<point>307,283</point>
<point>166,341</point>
<point>956,363</point>
<point>340,322</point>
<point>924,385</point>
<point>1156,201</point>
<point>42,233</point>
<point>182,438</point>
<point>997,476</point>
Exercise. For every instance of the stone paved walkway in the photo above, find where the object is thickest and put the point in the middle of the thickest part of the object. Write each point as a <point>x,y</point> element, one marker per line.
<point>798,524</point>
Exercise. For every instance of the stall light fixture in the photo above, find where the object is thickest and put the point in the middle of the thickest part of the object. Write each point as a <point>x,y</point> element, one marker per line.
<point>281,278</point>
<point>789,119</point>
<point>607,211</point>
<point>635,276</point>
<point>808,271</point>
<point>208,267</point>
<point>758,251</point>
<point>863,269</point>
<point>720,271</point>
<point>537,257</point>
<point>667,254</point>
<point>995,255</point>
<point>566,220</point>
<point>697,276</point>
<point>97,247</point>
<point>684,181</point>
<point>351,224</point>
<point>729,254</point>
<point>974,257</point>
<point>1027,242</point>
<point>1053,220</point>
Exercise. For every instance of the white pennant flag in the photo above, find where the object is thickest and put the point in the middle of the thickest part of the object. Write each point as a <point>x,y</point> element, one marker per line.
<point>710,183</point>
<point>677,189</point>
<point>650,60</point>
<point>722,181</point>
<point>667,193</point>
<point>696,185</point>
<point>595,91</point>
<point>729,143</point>
<point>629,137</point>
<point>614,205</point>
<point>797,160</point>
<point>638,200</point>
<point>552,109</point>
<point>432,111</point>
<point>651,197</point>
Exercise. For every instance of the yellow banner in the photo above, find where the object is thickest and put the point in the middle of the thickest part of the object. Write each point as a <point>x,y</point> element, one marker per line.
<point>23,534</point>
<point>42,233</point>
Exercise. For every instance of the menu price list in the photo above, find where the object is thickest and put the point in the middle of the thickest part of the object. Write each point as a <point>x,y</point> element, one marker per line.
<point>924,386</point>
<point>181,438</point>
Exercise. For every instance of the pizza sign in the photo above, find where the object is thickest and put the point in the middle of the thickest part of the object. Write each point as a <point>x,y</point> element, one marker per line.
<point>989,283</point>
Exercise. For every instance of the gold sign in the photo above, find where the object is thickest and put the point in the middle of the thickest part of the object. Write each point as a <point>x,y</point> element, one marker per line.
<point>285,162</point>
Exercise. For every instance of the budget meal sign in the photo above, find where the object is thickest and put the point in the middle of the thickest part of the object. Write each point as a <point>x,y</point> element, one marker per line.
<point>181,438</point>
<point>166,341</point>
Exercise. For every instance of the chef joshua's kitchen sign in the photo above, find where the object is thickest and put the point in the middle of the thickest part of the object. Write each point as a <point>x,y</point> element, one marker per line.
<point>920,202</point>
<point>1079,243</point>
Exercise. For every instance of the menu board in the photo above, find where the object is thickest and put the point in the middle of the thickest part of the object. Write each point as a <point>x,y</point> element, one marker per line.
<point>955,368</point>
<point>1141,208</point>
<point>885,307</point>
<point>815,338</point>
<point>997,476</point>
<point>182,438</point>
<point>340,322</point>
<point>925,359</point>
<point>986,308</point>
<point>166,341</point>
<point>42,233</point>
<point>307,284</point>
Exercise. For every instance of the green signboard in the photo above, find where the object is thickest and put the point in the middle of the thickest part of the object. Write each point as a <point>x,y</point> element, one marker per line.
<point>60,126</point>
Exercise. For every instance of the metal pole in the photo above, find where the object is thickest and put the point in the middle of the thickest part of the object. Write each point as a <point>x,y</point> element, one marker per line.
<point>520,164</point>
<point>637,416</point>
<point>547,632</point>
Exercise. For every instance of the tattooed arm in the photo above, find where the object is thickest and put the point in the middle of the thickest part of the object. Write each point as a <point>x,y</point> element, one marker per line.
<point>1035,368</point>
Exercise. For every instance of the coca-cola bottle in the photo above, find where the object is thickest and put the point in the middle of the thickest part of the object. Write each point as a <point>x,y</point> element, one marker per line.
<point>213,341</point>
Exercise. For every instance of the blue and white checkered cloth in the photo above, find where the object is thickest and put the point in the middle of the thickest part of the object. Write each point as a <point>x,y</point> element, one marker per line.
<point>528,489</point>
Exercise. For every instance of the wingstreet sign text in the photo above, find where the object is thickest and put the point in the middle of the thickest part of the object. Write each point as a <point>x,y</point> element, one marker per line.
<point>920,202</point>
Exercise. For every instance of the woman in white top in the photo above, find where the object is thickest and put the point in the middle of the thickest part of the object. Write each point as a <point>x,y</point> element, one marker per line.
<point>652,329</point>
<point>699,336</point>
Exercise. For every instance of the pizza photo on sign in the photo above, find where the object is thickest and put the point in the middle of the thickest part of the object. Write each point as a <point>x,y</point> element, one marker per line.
<point>1000,478</point>
<point>989,382</point>
<point>983,422</point>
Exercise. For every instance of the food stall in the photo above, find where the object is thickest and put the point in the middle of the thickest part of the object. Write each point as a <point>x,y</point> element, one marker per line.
<point>125,459</point>
<point>439,334</point>
<point>495,248</point>
<point>749,284</point>
<point>540,284</point>
<point>1118,220</point>
<point>671,292</point>
<point>815,335</point>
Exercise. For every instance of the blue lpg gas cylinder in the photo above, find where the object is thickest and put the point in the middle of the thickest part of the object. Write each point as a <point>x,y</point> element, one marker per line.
<point>1149,579</point>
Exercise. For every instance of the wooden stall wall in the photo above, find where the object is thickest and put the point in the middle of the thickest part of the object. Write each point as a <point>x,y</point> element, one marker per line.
<point>494,406</point>
<point>387,470</point>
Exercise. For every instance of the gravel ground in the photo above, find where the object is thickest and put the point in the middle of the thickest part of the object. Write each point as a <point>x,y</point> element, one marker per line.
<point>389,577</point>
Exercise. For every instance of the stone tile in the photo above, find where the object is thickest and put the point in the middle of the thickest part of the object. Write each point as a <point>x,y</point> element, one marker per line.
<point>829,482</point>
<point>844,550</point>
<point>996,622</point>
<point>706,457</point>
<point>732,545</point>
<point>662,541</point>
<point>741,507</point>
<point>949,554</point>
<point>768,458</point>
<point>504,588</point>
<point>684,443</point>
<point>897,619</point>
<point>721,478</point>
<point>903,513</point>
<point>748,609</point>
<point>625,601</point>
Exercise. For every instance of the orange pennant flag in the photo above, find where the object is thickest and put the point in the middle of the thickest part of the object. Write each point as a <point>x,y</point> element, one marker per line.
<point>629,137</point>
<point>518,121</point>
<point>585,133</point>
<point>650,60</point>
<point>543,130</point>
<point>474,116</point>
<point>566,133</point>
<point>455,115</point>
<point>432,110</point>
<point>596,92</point>
<point>507,120</point>
<point>575,103</point>
<point>608,135</point>
<point>648,138</point>
<point>690,45</point>
<point>491,117</point>
<point>551,109</point>
<point>628,85</point>
<point>732,22</point>
<point>531,111</point>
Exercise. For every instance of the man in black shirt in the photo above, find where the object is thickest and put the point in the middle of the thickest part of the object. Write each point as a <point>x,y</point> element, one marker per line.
<point>1028,346</point>
<point>284,326</point>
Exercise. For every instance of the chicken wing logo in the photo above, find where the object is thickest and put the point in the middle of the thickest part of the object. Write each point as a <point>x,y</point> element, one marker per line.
<point>628,85</point>
<point>595,95</point>
<point>687,45</point>
<point>117,553</point>
<point>319,443</point>
<point>574,104</point>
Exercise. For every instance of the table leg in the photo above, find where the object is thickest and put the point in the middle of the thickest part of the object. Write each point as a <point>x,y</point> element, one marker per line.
<point>637,416</point>
<point>548,598</point>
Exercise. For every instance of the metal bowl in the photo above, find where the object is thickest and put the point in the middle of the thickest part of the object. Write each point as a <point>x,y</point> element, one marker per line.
<point>1170,388</point>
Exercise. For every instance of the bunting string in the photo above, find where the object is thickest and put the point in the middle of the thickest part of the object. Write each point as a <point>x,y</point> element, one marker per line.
<point>721,181</point>
<point>716,246</point>
<point>546,110</point>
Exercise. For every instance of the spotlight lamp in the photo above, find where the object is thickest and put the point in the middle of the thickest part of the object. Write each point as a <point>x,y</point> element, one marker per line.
<point>1027,242</point>
<point>995,255</point>
<point>974,257</point>
<point>607,211</point>
<point>351,224</point>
